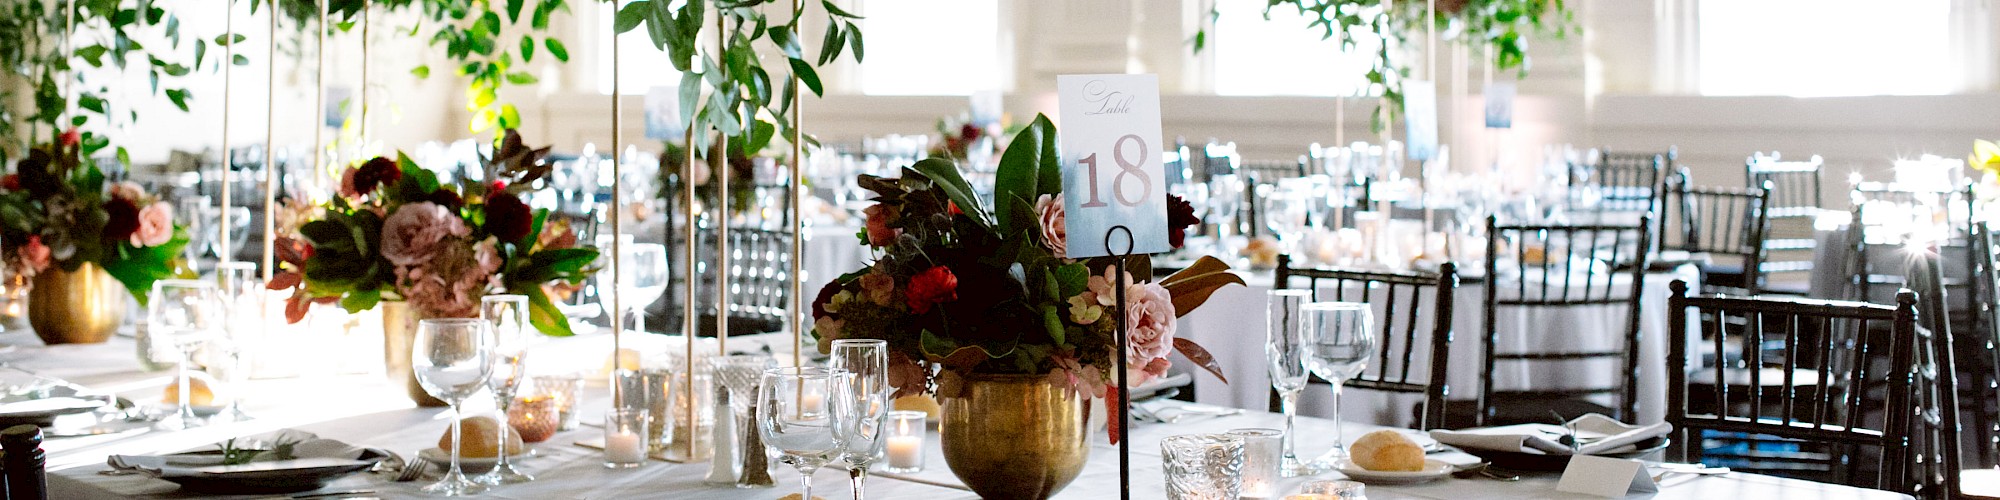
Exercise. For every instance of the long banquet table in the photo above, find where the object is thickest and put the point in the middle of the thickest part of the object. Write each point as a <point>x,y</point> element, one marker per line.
<point>363,410</point>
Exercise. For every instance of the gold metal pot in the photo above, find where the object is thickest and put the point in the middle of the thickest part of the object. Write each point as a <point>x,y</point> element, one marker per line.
<point>1014,436</point>
<point>399,331</point>
<point>81,307</point>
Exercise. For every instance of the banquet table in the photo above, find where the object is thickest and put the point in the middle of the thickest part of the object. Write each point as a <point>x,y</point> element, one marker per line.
<point>1231,326</point>
<point>363,410</point>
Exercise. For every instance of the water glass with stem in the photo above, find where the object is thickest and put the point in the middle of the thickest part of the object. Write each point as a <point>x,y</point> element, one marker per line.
<point>241,294</point>
<point>452,359</point>
<point>866,405</point>
<point>796,417</point>
<point>1284,347</point>
<point>1339,337</point>
<point>507,315</point>
<point>186,313</point>
<point>641,269</point>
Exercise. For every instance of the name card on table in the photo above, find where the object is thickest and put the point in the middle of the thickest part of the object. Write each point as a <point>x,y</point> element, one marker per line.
<point>1605,477</point>
<point>1420,115</point>
<point>1112,174</point>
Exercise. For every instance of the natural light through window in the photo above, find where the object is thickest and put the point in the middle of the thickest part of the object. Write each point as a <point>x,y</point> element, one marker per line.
<point>1281,56</point>
<point>1816,48</point>
<point>931,47</point>
<point>640,66</point>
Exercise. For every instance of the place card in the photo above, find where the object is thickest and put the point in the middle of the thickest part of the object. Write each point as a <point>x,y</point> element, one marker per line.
<point>1111,168</point>
<point>1500,105</point>
<point>663,114</point>
<point>1605,477</point>
<point>1420,118</point>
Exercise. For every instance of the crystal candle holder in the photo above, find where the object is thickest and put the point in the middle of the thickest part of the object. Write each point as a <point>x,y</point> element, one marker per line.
<point>904,445</point>
<point>1203,466</point>
<point>1260,461</point>
<point>561,390</point>
<point>625,433</point>
<point>536,417</point>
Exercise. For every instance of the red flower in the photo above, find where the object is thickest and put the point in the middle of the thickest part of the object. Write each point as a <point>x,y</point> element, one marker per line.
<point>12,182</point>
<point>507,217</point>
<point>71,137</point>
<point>446,198</point>
<point>377,172</point>
<point>932,287</point>
<point>124,219</point>
<point>968,133</point>
<point>496,187</point>
<point>1180,215</point>
<point>952,207</point>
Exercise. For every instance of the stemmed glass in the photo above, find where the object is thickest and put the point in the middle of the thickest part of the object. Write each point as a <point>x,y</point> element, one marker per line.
<point>452,359</point>
<point>866,405</point>
<point>1285,348</point>
<point>796,417</point>
<point>1338,340</point>
<point>187,313</point>
<point>507,315</point>
<point>642,277</point>
<point>195,212</point>
<point>241,294</point>
<point>1225,194</point>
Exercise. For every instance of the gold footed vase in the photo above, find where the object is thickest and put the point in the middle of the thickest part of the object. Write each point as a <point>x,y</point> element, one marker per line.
<point>80,307</point>
<point>399,330</point>
<point>1014,436</point>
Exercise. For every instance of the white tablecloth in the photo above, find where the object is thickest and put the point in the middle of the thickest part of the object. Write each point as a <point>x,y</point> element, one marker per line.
<point>1831,274</point>
<point>1231,326</point>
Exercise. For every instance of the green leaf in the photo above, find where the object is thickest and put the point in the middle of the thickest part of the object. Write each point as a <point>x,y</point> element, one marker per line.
<point>514,10</point>
<point>510,117</point>
<point>945,174</point>
<point>1029,167</point>
<point>240,60</point>
<point>227,40</point>
<point>807,75</point>
<point>631,15</point>
<point>200,51</point>
<point>854,39</point>
<point>421,71</point>
<point>93,54</point>
<point>556,49</point>
<point>759,136</point>
<point>1052,320</point>
<point>690,97</point>
<point>781,35</point>
<point>519,78</point>
<point>527,49</point>
<point>836,10</point>
<point>360,300</point>
<point>543,314</point>
<point>179,97</point>
<point>830,46</point>
<point>1072,279</point>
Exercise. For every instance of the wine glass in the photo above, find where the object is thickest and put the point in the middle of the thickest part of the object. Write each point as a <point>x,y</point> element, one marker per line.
<point>198,213</point>
<point>1338,338</point>
<point>187,313</point>
<point>1284,347</point>
<point>241,294</point>
<point>641,269</point>
<point>507,315</point>
<point>866,405</point>
<point>796,417</point>
<point>452,359</point>
<point>1225,194</point>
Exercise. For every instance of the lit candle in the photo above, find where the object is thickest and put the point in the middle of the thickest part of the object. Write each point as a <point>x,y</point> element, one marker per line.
<point>623,447</point>
<point>906,452</point>
<point>905,444</point>
<point>625,437</point>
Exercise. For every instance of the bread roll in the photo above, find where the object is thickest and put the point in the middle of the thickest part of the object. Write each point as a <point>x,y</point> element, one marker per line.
<point>482,436</point>
<point>199,392</point>
<point>1387,450</point>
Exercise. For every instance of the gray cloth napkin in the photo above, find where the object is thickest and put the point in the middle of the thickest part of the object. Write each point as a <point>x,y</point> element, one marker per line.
<point>309,451</point>
<point>1600,435</point>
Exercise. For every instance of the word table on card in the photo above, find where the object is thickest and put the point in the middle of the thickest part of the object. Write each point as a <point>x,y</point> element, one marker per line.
<point>1112,174</point>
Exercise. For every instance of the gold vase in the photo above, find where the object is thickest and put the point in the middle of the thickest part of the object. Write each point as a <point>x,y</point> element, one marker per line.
<point>1014,436</point>
<point>81,307</point>
<point>399,330</point>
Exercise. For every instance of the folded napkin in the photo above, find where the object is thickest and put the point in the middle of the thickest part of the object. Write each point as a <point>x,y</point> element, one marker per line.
<point>308,450</point>
<point>54,404</point>
<point>1598,433</point>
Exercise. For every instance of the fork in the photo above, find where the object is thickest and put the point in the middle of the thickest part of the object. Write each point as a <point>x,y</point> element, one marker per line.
<point>412,470</point>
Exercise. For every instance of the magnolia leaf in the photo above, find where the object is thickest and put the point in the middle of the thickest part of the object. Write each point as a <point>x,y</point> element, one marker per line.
<point>1192,286</point>
<point>945,174</point>
<point>1200,357</point>
<point>543,313</point>
<point>1052,320</point>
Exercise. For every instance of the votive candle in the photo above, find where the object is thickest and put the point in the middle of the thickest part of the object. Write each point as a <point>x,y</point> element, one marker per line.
<point>625,438</point>
<point>1260,461</point>
<point>905,444</point>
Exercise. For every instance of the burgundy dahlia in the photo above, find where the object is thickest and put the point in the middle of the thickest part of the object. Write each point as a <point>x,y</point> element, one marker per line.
<point>377,172</point>
<point>507,217</point>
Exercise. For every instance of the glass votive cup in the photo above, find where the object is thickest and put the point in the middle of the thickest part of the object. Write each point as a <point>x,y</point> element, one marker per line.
<point>1260,461</point>
<point>650,389</point>
<point>535,417</point>
<point>625,431</point>
<point>561,389</point>
<point>1203,466</point>
<point>904,445</point>
<point>1332,489</point>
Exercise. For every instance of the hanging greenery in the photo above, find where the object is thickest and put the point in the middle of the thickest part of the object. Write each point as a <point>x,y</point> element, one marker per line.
<point>1503,26</point>
<point>108,35</point>
<point>742,102</point>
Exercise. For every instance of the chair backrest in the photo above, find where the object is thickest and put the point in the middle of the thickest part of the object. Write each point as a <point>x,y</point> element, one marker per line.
<point>759,279</point>
<point>1986,333</point>
<point>1885,217</point>
<point>1935,427</point>
<point>1555,266</point>
<point>1626,182</point>
<point>1829,357</point>
<point>1401,352</point>
<point>1794,185</point>
<point>1723,221</point>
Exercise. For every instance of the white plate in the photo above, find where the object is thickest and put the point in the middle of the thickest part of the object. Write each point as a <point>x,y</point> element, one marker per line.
<point>442,457</point>
<point>1432,470</point>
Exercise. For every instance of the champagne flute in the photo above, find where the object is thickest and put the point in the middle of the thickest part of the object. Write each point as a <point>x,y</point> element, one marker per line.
<point>507,315</point>
<point>1338,339</point>
<point>866,405</point>
<point>452,359</point>
<point>1284,347</point>
<point>187,313</point>
<point>796,416</point>
<point>241,294</point>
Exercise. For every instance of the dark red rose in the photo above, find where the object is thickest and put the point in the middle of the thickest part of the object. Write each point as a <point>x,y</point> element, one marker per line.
<point>1180,216</point>
<point>124,219</point>
<point>71,137</point>
<point>377,172</point>
<point>445,198</point>
<point>969,132</point>
<point>12,182</point>
<point>932,287</point>
<point>507,217</point>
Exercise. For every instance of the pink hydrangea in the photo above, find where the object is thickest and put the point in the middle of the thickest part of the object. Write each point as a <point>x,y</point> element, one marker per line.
<point>413,234</point>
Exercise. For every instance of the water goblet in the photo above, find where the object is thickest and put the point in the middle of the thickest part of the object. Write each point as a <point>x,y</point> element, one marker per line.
<point>865,405</point>
<point>452,359</point>
<point>186,313</point>
<point>796,416</point>
<point>507,315</point>
<point>1284,347</point>
<point>241,294</point>
<point>1339,337</point>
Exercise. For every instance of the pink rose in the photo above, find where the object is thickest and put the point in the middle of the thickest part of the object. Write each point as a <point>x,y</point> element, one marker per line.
<point>1150,326</point>
<point>879,232</point>
<point>1055,231</point>
<point>128,191</point>
<point>35,255</point>
<point>412,235</point>
<point>156,225</point>
<point>880,288</point>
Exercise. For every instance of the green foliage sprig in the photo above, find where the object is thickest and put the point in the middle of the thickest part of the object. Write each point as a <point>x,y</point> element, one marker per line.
<point>105,34</point>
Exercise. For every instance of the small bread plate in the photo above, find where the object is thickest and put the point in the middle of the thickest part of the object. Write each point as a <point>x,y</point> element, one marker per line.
<point>1432,470</point>
<point>442,457</point>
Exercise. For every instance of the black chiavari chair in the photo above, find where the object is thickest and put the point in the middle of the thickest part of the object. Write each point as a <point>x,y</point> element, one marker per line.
<point>1549,273</point>
<point>1982,395</point>
<point>1867,237</point>
<point>1935,430</point>
<point>1831,354</point>
<point>759,281</point>
<point>1794,203</point>
<point>1401,351</point>
<point>1722,222</point>
<point>1626,182</point>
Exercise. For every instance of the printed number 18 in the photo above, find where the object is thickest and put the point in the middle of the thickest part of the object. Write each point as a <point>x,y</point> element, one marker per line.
<point>1126,168</point>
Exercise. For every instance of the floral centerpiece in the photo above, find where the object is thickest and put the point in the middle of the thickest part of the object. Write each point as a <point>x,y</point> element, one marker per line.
<point>396,233</point>
<point>60,216</point>
<point>962,292</point>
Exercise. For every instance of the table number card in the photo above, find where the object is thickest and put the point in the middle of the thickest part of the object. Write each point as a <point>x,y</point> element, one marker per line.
<point>1605,477</point>
<point>1112,173</point>
<point>663,114</point>
<point>1420,114</point>
<point>1500,105</point>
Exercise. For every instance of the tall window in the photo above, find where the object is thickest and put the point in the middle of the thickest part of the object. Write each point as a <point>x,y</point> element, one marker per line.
<point>1813,48</point>
<point>930,47</point>
<point>1282,56</point>
<point>640,65</point>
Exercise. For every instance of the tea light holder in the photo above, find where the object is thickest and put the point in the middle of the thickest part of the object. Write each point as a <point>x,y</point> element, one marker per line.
<point>1260,461</point>
<point>905,443</point>
<point>1330,489</point>
<point>535,416</point>
<point>625,433</point>
<point>561,390</point>
<point>1203,466</point>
